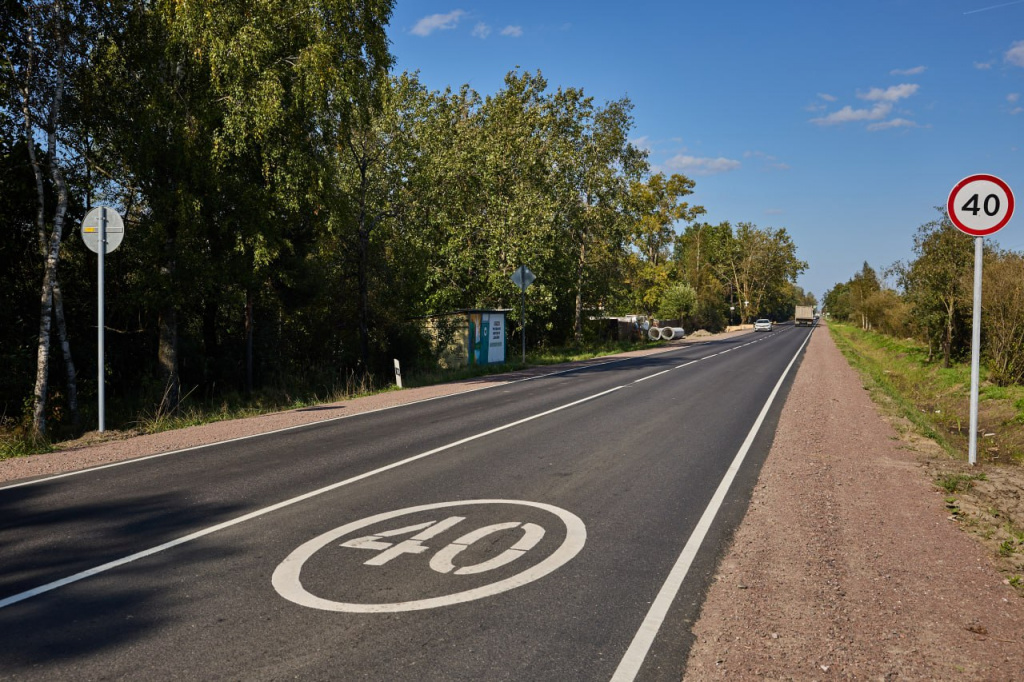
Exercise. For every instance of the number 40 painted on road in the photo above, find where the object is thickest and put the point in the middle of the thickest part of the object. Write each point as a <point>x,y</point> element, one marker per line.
<point>442,561</point>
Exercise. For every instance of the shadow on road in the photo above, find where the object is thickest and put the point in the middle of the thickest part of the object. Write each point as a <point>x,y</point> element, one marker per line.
<point>104,611</point>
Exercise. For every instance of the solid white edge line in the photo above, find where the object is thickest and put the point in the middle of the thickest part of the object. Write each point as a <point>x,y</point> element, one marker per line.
<point>631,663</point>
<point>136,460</point>
<point>28,594</point>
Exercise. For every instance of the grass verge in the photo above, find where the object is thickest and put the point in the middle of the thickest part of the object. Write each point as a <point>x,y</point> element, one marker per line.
<point>934,399</point>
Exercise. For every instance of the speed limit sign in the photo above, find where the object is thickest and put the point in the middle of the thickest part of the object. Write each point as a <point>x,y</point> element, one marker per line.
<point>980,205</point>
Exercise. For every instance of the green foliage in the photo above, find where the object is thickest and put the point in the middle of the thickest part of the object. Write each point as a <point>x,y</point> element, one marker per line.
<point>14,444</point>
<point>938,286</point>
<point>935,301</point>
<point>1003,317</point>
<point>677,302</point>
<point>291,206</point>
<point>957,483</point>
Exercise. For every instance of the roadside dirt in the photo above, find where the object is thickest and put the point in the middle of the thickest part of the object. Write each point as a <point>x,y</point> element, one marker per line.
<point>850,564</point>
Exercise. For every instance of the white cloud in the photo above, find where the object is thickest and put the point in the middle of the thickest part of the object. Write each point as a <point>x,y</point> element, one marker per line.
<point>1014,112</point>
<point>512,31</point>
<point>848,114</point>
<point>892,123</point>
<point>774,211</point>
<point>770,162</point>
<point>481,30</point>
<point>893,94</point>
<point>983,66</point>
<point>917,70</point>
<point>1013,97</point>
<point>437,22</point>
<point>827,97</point>
<point>701,165</point>
<point>1015,55</point>
<point>642,142</point>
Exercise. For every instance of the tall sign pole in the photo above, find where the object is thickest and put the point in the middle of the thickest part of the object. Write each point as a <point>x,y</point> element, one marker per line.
<point>523,312</point>
<point>523,278</point>
<point>102,232</point>
<point>101,383</point>
<point>979,205</point>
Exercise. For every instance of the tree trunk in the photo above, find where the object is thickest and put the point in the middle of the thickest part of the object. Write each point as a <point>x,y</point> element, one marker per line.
<point>249,323</point>
<point>43,346</point>
<point>167,342</point>
<point>167,355</point>
<point>52,252</point>
<point>578,328</point>
<point>947,342</point>
<point>69,361</point>
<point>211,348</point>
<point>364,227</point>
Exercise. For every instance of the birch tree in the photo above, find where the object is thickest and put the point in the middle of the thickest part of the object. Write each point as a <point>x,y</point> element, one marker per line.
<point>44,48</point>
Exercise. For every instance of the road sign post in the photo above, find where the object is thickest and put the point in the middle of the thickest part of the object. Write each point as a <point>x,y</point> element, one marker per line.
<point>523,278</point>
<point>102,232</point>
<point>978,205</point>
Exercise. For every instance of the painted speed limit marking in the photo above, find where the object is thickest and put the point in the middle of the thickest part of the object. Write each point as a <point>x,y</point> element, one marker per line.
<point>980,205</point>
<point>394,542</point>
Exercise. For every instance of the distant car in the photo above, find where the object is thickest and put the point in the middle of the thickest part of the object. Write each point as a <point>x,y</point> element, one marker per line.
<point>763,325</point>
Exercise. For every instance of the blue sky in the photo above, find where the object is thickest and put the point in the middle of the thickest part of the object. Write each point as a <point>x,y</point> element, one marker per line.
<point>844,121</point>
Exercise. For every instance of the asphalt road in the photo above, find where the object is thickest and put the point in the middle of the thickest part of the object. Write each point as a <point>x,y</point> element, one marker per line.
<point>559,528</point>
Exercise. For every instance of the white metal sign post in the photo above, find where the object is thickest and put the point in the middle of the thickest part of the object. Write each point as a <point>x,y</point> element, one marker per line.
<point>979,205</point>
<point>523,278</point>
<point>102,232</point>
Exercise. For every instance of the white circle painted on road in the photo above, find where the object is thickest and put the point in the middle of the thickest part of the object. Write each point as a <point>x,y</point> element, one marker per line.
<point>287,581</point>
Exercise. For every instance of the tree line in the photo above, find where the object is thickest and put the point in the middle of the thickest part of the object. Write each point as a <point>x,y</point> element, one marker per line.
<point>930,297</point>
<point>293,206</point>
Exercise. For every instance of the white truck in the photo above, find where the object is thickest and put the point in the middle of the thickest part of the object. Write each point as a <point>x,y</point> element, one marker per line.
<point>804,315</point>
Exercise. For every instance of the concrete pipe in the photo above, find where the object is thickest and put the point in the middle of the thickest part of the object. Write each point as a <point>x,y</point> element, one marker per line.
<point>654,333</point>
<point>672,333</point>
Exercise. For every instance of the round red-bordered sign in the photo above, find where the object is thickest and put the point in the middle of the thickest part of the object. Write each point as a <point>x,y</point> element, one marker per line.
<point>980,205</point>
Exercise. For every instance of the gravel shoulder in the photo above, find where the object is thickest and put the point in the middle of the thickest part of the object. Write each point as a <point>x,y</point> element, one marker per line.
<point>848,564</point>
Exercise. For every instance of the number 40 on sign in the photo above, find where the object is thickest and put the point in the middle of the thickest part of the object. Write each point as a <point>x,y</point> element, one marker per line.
<point>980,205</point>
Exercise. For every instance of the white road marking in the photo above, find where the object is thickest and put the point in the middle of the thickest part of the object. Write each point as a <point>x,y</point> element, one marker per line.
<point>28,594</point>
<point>96,570</point>
<point>388,550</point>
<point>651,376</point>
<point>630,664</point>
<point>288,584</point>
